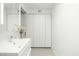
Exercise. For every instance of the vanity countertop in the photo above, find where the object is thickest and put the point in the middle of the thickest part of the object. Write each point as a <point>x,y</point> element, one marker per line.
<point>14,46</point>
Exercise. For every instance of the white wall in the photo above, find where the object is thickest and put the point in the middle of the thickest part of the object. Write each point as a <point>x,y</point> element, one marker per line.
<point>35,11</point>
<point>65,22</point>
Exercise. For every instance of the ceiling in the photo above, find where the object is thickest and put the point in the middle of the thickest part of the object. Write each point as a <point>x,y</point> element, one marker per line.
<point>31,5</point>
<point>38,5</point>
<point>11,5</point>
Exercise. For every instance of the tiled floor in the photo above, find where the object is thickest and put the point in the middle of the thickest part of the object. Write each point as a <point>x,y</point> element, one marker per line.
<point>42,52</point>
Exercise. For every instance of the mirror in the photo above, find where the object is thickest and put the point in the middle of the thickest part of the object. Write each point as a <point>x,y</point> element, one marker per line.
<point>2,13</point>
<point>14,18</point>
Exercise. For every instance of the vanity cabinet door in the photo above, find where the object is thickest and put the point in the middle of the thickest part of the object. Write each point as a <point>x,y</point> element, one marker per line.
<point>26,50</point>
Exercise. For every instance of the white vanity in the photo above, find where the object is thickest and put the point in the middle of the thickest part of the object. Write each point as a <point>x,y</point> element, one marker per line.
<point>16,47</point>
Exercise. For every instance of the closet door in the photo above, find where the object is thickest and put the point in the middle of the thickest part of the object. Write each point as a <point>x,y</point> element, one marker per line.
<point>36,30</point>
<point>48,30</point>
<point>39,31</point>
<point>42,31</point>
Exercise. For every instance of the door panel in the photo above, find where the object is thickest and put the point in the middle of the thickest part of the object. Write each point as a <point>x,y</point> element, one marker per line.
<point>48,31</point>
<point>36,30</point>
<point>42,31</point>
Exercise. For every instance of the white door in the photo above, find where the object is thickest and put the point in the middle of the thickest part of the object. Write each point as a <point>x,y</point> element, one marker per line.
<point>38,27</point>
<point>39,31</point>
<point>48,31</point>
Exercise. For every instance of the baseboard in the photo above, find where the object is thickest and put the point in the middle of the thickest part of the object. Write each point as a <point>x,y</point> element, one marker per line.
<point>40,47</point>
